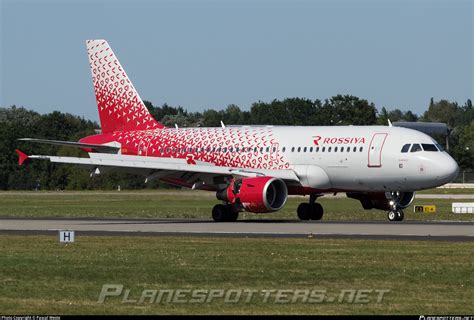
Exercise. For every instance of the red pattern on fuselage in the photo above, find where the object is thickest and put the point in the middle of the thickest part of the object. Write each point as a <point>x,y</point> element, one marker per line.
<point>219,146</point>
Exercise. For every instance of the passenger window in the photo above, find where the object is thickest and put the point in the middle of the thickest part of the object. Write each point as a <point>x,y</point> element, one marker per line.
<point>293,149</point>
<point>231,149</point>
<point>219,149</point>
<point>208,149</point>
<point>335,149</point>
<point>429,147</point>
<point>348,149</point>
<point>304,149</point>
<point>161,150</point>
<point>406,147</point>
<point>342,149</point>
<point>324,149</point>
<point>299,149</point>
<point>361,148</point>
<point>224,150</point>
<point>311,149</point>
<point>213,149</point>
<point>317,149</point>
<point>415,148</point>
<point>284,149</point>
<point>179,150</point>
<point>261,149</point>
<point>268,149</point>
<point>329,149</point>
<point>274,149</point>
<point>167,149</point>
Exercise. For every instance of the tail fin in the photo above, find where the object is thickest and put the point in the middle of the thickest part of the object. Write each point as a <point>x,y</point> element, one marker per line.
<point>120,106</point>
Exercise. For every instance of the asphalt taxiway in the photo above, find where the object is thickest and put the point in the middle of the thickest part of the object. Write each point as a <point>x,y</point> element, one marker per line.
<point>442,230</point>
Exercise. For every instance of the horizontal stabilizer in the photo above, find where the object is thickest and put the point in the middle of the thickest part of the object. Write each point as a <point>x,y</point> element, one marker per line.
<point>97,147</point>
<point>21,157</point>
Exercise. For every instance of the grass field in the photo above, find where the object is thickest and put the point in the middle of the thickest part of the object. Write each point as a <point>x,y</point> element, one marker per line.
<point>447,191</point>
<point>188,204</point>
<point>40,276</point>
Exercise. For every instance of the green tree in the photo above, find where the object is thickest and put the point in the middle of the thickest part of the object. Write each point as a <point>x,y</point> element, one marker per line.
<point>442,111</point>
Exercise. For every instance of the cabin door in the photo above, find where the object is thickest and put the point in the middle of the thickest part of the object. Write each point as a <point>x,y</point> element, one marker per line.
<point>375,150</point>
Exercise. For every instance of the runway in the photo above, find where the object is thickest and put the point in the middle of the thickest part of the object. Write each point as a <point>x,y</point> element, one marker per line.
<point>446,230</point>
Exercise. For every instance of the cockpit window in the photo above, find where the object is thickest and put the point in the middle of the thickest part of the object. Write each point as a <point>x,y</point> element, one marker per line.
<point>440,147</point>
<point>415,148</point>
<point>405,148</point>
<point>429,147</point>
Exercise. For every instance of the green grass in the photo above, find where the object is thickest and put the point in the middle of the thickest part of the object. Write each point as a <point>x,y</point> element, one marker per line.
<point>40,276</point>
<point>188,204</point>
<point>447,191</point>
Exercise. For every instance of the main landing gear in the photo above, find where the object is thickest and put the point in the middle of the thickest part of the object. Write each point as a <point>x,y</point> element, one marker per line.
<point>311,210</point>
<point>395,215</point>
<point>224,213</point>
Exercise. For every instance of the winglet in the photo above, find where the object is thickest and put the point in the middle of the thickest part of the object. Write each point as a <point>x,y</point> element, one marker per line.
<point>22,157</point>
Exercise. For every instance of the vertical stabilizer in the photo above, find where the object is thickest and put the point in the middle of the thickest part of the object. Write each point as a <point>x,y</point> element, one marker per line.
<point>120,106</point>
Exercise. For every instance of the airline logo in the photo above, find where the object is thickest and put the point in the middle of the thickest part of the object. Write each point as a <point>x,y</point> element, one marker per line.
<point>319,140</point>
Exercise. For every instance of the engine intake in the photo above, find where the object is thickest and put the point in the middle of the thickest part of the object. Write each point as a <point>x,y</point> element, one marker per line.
<point>258,195</point>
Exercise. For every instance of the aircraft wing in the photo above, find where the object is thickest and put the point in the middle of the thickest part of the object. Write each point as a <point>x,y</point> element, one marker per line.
<point>171,169</point>
<point>96,147</point>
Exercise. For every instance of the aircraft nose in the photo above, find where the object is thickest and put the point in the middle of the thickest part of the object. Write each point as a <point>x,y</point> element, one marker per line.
<point>448,169</point>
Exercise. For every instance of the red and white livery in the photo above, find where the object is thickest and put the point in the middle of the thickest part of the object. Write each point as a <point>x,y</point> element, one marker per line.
<point>255,168</point>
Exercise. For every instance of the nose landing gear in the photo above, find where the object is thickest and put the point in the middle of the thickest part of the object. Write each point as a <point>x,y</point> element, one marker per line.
<point>395,215</point>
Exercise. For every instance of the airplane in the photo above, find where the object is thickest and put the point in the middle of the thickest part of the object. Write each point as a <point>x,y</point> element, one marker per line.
<point>254,168</point>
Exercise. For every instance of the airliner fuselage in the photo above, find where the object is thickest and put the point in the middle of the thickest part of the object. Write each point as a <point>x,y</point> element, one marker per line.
<point>336,158</point>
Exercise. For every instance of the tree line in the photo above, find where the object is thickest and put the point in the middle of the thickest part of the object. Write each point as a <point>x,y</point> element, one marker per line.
<point>18,122</point>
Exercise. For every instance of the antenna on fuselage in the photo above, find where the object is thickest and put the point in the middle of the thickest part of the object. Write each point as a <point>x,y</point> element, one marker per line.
<point>222,124</point>
<point>389,123</point>
<point>176,126</point>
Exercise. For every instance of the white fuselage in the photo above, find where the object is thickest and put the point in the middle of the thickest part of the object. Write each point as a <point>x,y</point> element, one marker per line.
<point>336,158</point>
<point>364,158</point>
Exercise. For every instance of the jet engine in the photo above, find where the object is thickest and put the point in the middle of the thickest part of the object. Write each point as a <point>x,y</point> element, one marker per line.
<point>383,200</point>
<point>258,195</point>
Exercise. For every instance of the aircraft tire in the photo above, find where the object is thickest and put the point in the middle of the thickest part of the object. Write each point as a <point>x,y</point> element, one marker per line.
<point>233,215</point>
<point>220,213</point>
<point>400,215</point>
<point>392,215</point>
<point>317,211</point>
<point>304,211</point>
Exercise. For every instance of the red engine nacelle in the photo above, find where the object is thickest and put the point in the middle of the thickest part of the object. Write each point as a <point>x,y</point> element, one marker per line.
<point>258,195</point>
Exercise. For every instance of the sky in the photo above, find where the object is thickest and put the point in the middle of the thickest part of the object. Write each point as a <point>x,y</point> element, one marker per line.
<point>209,54</point>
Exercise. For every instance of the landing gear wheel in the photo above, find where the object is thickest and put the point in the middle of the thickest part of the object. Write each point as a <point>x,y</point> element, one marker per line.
<point>392,215</point>
<point>233,215</point>
<point>400,215</point>
<point>219,213</point>
<point>224,213</point>
<point>316,211</point>
<point>304,211</point>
